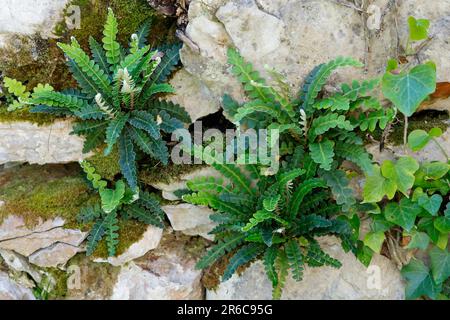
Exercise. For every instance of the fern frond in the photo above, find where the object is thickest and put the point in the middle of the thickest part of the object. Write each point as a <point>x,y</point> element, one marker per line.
<point>302,190</point>
<point>207,184</point>
<point>99,55</point>
<point>141,139</point>
<point>333,103</point>
<point>95,235</point>
<point>220,249</point>
<point>56,99</point>
<point>127,160</point>
<point>89,214</point>
<point>254,85</point>
<point>308,223</point>
<point>257,106</point>
<point>322,124</point>
<point>143,32</point>
<point>261,216</point>
<point>151,203</point>
<point>270,203</point>
<point>234,174</point>
<point>282,265</point>
<point>171,108</point>
<point>317,79</point>
<point>243,256</point>
<point>157,88</point>
<point>110,44</point>
<point>169,124</point>
<point>114,130</point>
<point>379,117</point>
<point>322,153</point>
<point>356,89</point>
<point>93,177</point>
<point>316,257</point>
<point>356,154</point>
<point>269,264</point>
<point>339,185</point>
<point>145,121</point>
<point>143,215</point>
<point>295,258</point>
<point>111,234</point>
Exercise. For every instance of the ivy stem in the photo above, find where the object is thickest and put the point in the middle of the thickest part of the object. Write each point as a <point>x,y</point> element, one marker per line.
<point>441,148</point>
<point>405,132</point>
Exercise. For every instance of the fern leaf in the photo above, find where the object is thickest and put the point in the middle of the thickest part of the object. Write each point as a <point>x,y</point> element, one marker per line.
<point>207,184</point>
<point>141,139</point>
<point>171,108</point>
<point>220,249</point>
<point>93,177</point>
<point>334,103</point>
<point>309,166</point>
<point>271,203</point>
<point>144,120</point>
<point>260,216</point>
<point>169,124</point>
<point>132,60</point>
<point>239,180</point>
<point>110,44</point>
<point>338,183</point>
<point>111,234</point>
<point>143,32</point>
<point>208,199</point>
<point>156,89</point>
<point>316,257</point>
<point>256,106</point>
<point>99,55</point>
<point>160,150</point>
<point>143,215</point>
<point>114,130</point>
<point>89,214</point>
<point>308,223</point>
<point>379,117</point>
<point>356,154</point>
<point>302,190</point>
<point>16,88</point>
<point>60,111</point>
<point>269,264</point>
<point>254,85</point>
<point>357,89</point>
<point>322,153</point>
<point>282,265</point>
<point>127,160</point>
<point>241,257</point>
<point>90,112</point>
<point>95,235</point>
<point>98,80</point>
<point>87,85</point>
<point>151,203</point>
<point>295,258</point>
<point>318,77</point>
<point>322,124</point>
<point>57,99</point>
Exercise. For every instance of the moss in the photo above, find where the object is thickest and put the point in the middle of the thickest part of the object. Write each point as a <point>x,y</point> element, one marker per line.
<point>130,231</point>
<point>46,192</point>
<point>59,288</point>
<point>106,166</point>
<point>153,173</point>
<point>24,115</point>
<point>422,120</point>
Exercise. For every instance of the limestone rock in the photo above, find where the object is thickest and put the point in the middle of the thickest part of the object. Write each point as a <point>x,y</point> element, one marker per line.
<point>430,153</point>
<point>167,273</point>
<point>149,241</point>
<point>19,263</point>
<point>9,290</point>
<point>55,255</point>
<point>352,281</point>
<point>28,142</point>
<point>190,219</point>
<point>168,189</point>
<point>30,17</point>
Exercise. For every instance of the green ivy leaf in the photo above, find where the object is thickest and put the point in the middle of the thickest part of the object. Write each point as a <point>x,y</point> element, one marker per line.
<point>418,29</point>
<point>419,281</point>
<point>377,186</point>
<point>440,264</point>
<point>375,240</point>
<point>408,90</point>
<point>430,204</point>
<point>419,240</point>
<point>403,214</point>
<point>435,170</point>
<point>401,173</point>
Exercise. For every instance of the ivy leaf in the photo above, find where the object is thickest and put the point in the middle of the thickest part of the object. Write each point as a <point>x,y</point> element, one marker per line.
<point>435,170</point>
<point>419,240</point>
<point>111,198</point>
<point>418,28</point>
<point>377,186</point>
<point>419,281</point>
<point>427,225</point>
<point>418,139</point>
<point>322,153</point>
<point>440,264</point>
<point>430,204</point>
<point>375,240</point>
<point>403,214</point>
<point>401,173</point>
<point>442,224</point>
<point>408,90</point>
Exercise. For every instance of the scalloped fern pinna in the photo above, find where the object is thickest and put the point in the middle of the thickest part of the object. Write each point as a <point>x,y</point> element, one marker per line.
<point>273,218</point>
<point>117,100</point>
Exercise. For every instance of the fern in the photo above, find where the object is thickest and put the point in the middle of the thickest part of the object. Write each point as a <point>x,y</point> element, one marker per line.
<point>283,268</point>
<point>269,264</point>
<point>95,235</point>
<point>112,237</point>
<point>242,257</point>
<point>127,160</point>
<point>339,184</point>
<point>220,250</point>
<point>316,257</point>
<point>356,154</point>
<point>376,118</point>
<point>110,44</point>
<point>318,77</point>
<point>322,153</point>
<point>295,259</point>
<point>305,188</point>
<point>322,124</point>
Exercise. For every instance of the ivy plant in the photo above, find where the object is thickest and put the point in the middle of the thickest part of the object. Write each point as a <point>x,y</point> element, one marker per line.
<point>275,218</point>
<point>118,202</point>
<point>117,100</point>
<point>415,198</point>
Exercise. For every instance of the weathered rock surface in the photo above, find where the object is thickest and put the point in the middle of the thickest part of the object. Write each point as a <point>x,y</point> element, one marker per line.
<point>431,152</point>
<point>167,273</point>
<point>29,17</point>
<point>47,244</point>
<point>190,219</point>
<point>28,142</point>
<point>168,189</point>
<point>10,290</point>
<point>149,241</point>
<point>353,281</point>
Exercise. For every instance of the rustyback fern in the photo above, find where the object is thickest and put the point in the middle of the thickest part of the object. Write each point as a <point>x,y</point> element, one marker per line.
<point>271,225</point>
<point>119,98</point>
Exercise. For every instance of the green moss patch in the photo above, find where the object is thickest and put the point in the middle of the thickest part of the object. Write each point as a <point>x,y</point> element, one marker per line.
<point>106,166</point>
<point>46,192</point>
<point>157,173</point>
